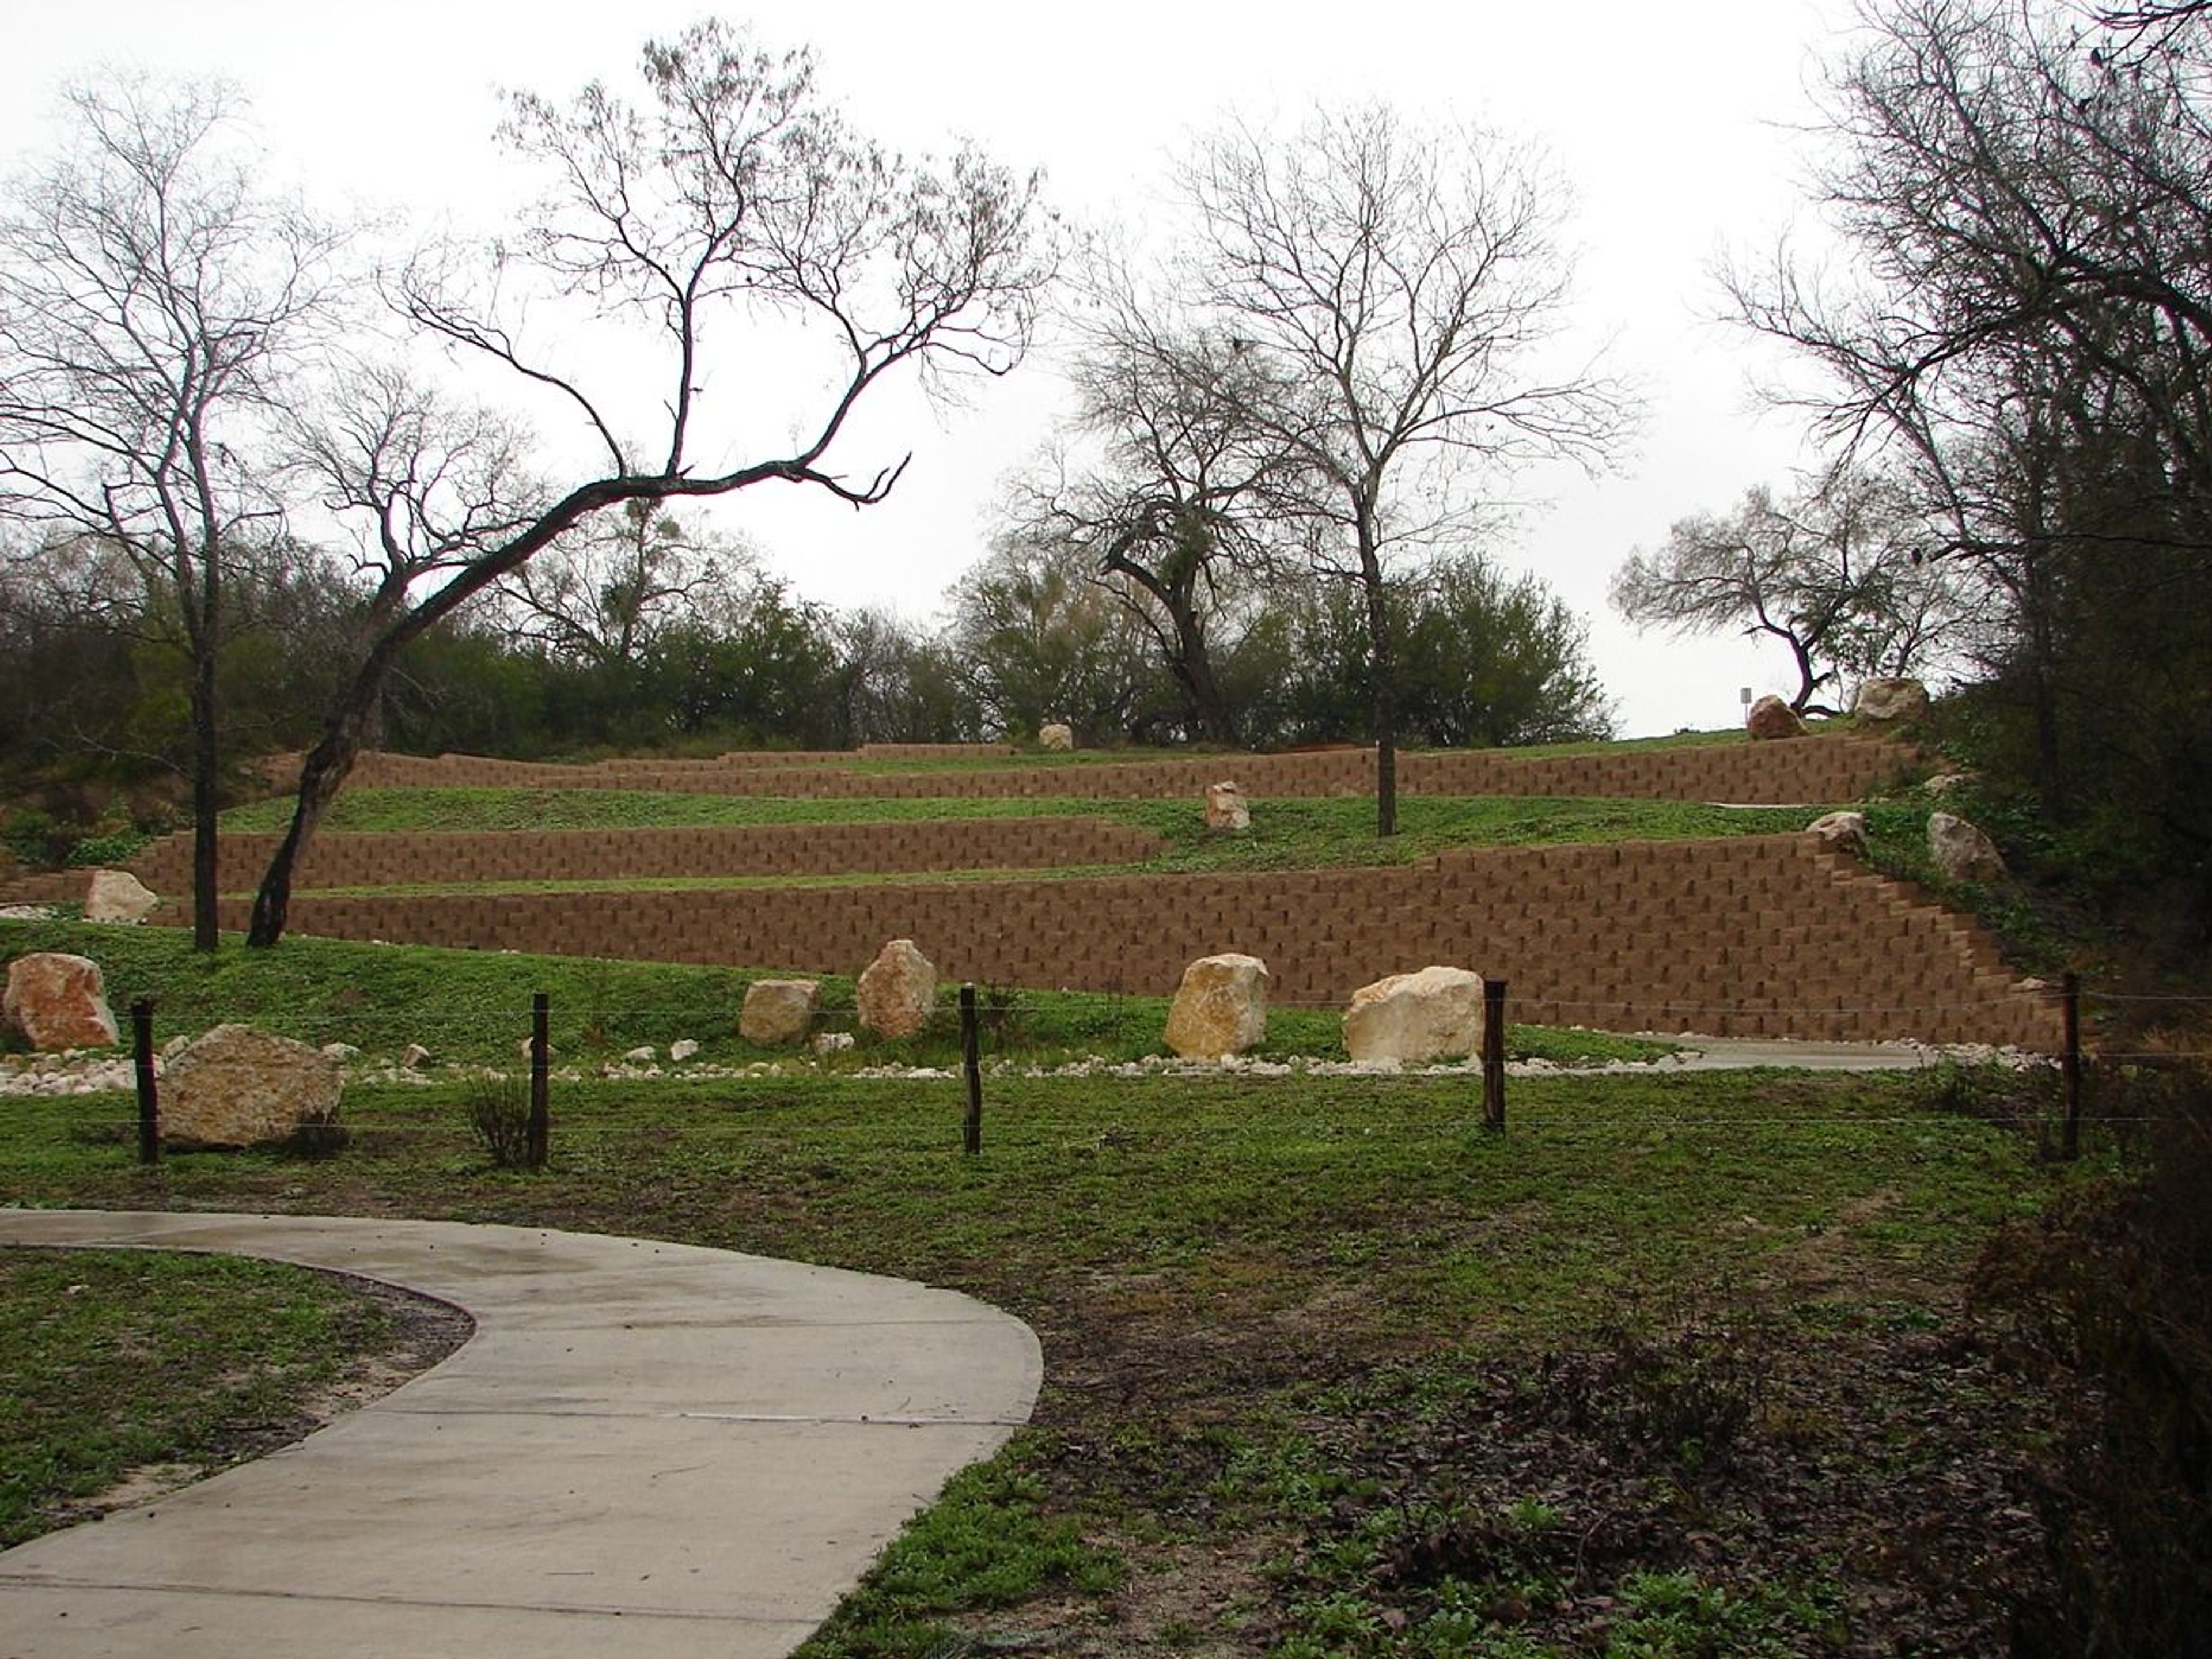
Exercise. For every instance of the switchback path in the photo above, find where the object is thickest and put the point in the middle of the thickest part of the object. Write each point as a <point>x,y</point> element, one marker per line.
<point>646,1449</point>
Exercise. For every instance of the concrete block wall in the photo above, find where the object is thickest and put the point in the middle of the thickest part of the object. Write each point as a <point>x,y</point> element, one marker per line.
<point>1812,770</point>
<point>699,851</point>
<point>1759,936</point>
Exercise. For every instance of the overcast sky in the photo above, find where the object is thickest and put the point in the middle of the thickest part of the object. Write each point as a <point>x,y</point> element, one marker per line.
<point>1673,126</point>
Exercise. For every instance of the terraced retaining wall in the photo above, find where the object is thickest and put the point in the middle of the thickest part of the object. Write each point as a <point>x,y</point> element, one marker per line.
<point>382,860</point>
<point>1807,770</point>
<point>1756,936</point>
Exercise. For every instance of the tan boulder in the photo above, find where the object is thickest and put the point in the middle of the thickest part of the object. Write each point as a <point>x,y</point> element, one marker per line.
<point>779,1011</point>
<point>1891,699</point>
<point>1416,1017</point>
<point>897,991</point>
<point>1844,831</point>
<point>58,1002</point>
<point>1962,852</point>
<point>1220,1008</point>
<point>1226,809</point>
<point>117,895</point>
<point>1770,718</point>
<point>1056,739</point>
<point>240,1087</point>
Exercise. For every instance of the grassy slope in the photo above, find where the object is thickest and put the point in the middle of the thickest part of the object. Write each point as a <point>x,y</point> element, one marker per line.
<point>1287,1327</point>
<point>1677,1367</point>
<point>1286,834</point>
<point>473,1007</point>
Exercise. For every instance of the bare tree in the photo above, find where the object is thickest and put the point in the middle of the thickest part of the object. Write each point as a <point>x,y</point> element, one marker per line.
<point>2026,325</point>
<point>731,202</point>
<point>1838,572</point>
<point>1182,491</point>
<point>153,300</point>
<point>1397,283</point>
<point>602,592</point>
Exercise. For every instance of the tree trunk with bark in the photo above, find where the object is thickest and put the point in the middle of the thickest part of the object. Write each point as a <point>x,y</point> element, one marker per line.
<point>206,758</point>
<point>1382,666</point>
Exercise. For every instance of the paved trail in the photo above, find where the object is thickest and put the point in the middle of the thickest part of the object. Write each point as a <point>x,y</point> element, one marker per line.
<point>646,1449</point>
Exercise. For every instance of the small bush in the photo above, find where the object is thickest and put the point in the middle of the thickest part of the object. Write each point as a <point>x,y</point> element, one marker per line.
<point>317,1137</point>
<point>499,1115</point>
<point>32,836</point>
<point>116,846</point>
<point>2111,1296</point>
<point>1686,1397</point>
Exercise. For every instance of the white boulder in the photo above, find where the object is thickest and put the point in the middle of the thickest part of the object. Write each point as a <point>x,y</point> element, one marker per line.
<point>1891,699</point>
<point>117,895</point>
<point>1844,831</point>
<point>58,1002</point>
<point>1226,809</point>
<point>1220,1008</point>
<point>240,1087</point>
<point>1416,1017</point>
<point>896,992</point>
<point>1771,718</point>
<point>779,1011</point>
<point>1962,852</point>
<point>1058,738</point>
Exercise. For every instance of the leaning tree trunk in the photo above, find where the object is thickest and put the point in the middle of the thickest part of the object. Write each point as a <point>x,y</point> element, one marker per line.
<point>321,776</point>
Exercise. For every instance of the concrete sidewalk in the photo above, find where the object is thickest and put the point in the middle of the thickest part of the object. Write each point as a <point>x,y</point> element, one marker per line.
<point>644,1449</point>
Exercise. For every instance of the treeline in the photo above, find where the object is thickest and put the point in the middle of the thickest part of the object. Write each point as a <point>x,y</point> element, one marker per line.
<point>655,638</point>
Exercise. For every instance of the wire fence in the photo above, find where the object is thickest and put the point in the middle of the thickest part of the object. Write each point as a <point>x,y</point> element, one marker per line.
<point>1017,1044</point>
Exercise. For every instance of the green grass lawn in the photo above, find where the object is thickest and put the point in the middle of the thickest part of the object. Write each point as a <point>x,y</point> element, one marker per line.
<point>1287,833</point>
<point>120,1359</point>
<point>473,1007</point>
<point>1679,1367</point>
<point>1330,1370</point>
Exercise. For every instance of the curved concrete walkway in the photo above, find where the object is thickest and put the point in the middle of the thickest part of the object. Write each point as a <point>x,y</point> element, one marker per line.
<point>644,1449</point>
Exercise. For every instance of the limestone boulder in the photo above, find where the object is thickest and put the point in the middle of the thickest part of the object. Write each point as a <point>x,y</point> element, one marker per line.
<point>117,895</point>
<point>1844,831</point>
<point>1416,1017</point>
<point>1962,852</point>
<point>779,1011</point>
<point>58,1002</point>
<point>1226,809</point>
<point>1220,1008</point>
<point>240,1087</point>
<point>1771,718</point>
<point>897,990</point>
<point>1891,699</point>
<point>1056,739</point>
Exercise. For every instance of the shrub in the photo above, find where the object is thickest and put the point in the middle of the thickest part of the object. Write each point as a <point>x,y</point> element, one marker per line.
<point>499,1115</point>
<point>2112,1294</point>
